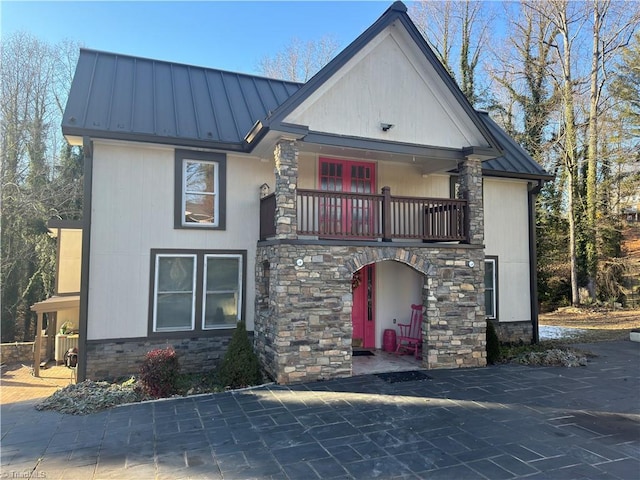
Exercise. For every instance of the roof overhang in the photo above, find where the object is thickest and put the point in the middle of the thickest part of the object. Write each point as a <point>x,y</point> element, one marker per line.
<point>75,136</point>
<point>55,304</point>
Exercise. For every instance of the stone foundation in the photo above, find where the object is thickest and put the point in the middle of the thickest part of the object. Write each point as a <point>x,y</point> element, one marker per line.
<point>113,359</point>
<point>514,332</point>
<point>303,329</point>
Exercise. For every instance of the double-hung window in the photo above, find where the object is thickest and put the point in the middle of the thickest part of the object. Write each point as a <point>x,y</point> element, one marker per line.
<point>200,190</point>
<point>491,287</point>
<point>221,290</point>
<point>175,293</point>
<point>195,291</point>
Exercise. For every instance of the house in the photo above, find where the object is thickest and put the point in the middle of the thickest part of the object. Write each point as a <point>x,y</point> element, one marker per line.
<point>62,310</point>
<point>317,213</point>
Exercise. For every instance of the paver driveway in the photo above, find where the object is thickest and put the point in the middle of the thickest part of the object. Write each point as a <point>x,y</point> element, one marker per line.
<point>499,422</point>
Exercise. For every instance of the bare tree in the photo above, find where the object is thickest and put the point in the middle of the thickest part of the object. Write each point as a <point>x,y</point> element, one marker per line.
<point>568,19</point>
<point>299,60</point>
<point>522,70</point>
<point>457,30</point>
<point>612,27</point>
<point>31,191</point>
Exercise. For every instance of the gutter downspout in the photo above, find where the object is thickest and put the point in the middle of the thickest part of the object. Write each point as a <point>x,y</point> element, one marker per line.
<point>533,191</point>
<point>87,146</point>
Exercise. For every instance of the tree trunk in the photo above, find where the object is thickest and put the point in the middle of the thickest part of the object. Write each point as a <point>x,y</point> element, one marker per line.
<point>592,157</point>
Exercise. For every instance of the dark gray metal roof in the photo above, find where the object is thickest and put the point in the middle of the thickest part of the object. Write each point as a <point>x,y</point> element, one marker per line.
<point>124,97</point>
<point>515,161</point>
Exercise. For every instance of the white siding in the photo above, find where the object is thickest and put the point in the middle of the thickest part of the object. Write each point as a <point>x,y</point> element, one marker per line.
<point>389,81</point>
<point>506,233</point>
<point>132,213</point>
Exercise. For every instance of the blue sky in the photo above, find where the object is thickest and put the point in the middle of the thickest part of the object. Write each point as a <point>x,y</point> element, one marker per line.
<point>226,35</point>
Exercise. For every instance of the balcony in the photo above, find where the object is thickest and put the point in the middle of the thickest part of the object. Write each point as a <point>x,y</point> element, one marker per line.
<point>359,216</point>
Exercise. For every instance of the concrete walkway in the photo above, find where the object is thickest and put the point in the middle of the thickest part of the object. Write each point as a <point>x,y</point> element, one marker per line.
<point>499,422</point>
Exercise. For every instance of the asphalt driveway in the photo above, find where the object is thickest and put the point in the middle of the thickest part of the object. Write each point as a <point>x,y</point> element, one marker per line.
<point>499,422</point>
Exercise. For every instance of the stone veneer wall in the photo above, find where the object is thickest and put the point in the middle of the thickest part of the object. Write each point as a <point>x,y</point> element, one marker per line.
<point>303,327</point>
<point>514,332</point>
<point>21,352</point>
<point>113,359</point>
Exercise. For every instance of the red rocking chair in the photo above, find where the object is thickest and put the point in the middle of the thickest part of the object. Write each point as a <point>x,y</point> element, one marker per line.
<point>410,337</point>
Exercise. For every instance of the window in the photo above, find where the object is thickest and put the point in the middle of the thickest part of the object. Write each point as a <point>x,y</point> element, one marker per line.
<point>175,293</point>
<point>196,290</point>
<point>491,287</point>
<point>222,293</point>
<point>200,190</point>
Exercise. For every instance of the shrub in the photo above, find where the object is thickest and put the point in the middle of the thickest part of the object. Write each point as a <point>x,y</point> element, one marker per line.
<point>159,372</point>
<point>240,366</point>
<point>493,344</point>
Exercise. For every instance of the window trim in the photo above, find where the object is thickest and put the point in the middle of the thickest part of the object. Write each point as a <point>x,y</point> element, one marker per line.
<point>220,193</point>
<point>493,259</point>
<point>198,309</point>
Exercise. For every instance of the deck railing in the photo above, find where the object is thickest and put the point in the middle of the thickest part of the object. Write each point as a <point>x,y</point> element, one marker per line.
<point>362,216</point>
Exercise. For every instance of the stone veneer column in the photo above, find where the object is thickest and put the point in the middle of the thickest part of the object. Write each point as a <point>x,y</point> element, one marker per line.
<point>286,157</point>
<point>454,292</point>
<point>471,190</point>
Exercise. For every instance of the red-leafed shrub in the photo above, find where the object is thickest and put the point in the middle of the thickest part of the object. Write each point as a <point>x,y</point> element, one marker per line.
<point>159,372</point>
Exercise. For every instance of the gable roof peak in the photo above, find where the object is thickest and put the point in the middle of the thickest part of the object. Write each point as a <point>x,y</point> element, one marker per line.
<point>398,7</point>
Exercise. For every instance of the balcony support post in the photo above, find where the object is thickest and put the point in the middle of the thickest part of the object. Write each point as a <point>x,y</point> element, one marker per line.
<point>386,214</point>
<point>471,190</point>
<point>286,158</point>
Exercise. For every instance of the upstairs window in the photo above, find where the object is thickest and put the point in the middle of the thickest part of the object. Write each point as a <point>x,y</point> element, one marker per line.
<point>200,190</point>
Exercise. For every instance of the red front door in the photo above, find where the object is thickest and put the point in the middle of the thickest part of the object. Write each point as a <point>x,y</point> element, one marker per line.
<point>362,313</point>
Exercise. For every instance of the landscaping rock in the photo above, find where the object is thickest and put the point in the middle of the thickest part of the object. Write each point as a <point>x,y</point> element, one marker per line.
<point>554,357</point>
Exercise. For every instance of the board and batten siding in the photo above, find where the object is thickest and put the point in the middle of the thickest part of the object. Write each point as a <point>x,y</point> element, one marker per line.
<point>389,81</point>
<point>133,212</point>
<point>506,227</point>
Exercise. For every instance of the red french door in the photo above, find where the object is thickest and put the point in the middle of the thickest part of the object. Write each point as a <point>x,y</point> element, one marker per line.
<point>362,313</point>
<point>346,216</point>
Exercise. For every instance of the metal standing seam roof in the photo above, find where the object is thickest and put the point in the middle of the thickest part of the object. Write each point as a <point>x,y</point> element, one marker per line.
<point>130,98</point>
<point>515,159</point>
<point>125,97</point>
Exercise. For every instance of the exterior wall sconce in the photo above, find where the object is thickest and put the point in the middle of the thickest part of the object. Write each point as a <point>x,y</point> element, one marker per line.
<point>264,190</point>
<point>386,126</point>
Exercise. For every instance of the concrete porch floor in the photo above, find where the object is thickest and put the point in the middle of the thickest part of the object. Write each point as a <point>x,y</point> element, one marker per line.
<point>381,362</point>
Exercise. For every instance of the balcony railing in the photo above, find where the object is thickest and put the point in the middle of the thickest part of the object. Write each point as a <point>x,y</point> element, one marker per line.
<point>361,216</point>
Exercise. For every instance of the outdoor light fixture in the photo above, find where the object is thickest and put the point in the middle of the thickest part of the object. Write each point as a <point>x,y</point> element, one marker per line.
<point>386,126</point>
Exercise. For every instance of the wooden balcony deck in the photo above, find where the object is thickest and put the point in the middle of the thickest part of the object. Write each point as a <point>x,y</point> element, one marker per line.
<point>360,216</point>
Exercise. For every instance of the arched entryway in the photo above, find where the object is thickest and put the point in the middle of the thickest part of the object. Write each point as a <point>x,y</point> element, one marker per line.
<point>383,292</point>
